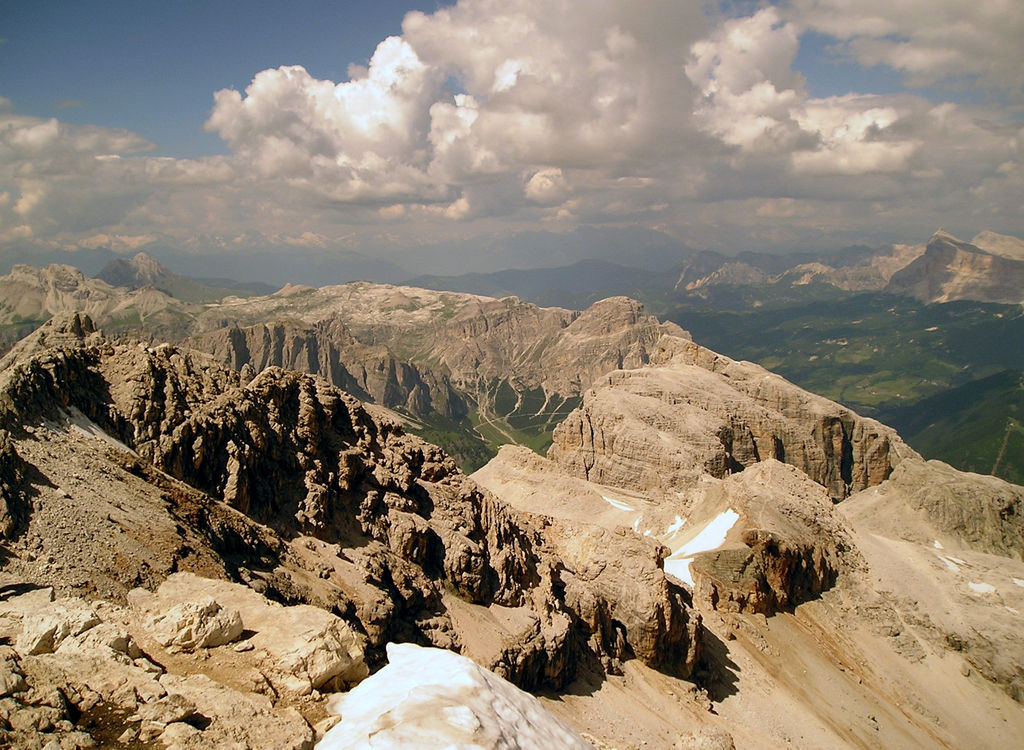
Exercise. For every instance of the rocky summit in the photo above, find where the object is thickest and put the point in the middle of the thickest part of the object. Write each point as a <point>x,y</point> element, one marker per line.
<point>212,544</point>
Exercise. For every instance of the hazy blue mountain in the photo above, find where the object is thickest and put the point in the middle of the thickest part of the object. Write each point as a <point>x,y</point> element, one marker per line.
<point>573,286</point>
<point>142,270</point>
<point>87,260</point>
<point>633,246</point>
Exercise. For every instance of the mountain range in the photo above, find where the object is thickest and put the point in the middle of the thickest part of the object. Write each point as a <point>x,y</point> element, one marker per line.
<point>834,324</point>
<point>216,522</point>
<point>198,554</point>
<point>987,269</point>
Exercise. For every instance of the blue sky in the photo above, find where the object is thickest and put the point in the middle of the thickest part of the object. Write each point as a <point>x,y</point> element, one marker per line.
<point>738,125</point>
<point>152,67</point>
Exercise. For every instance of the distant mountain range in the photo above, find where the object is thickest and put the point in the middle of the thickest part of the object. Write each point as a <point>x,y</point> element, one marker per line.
<point>990,268</point>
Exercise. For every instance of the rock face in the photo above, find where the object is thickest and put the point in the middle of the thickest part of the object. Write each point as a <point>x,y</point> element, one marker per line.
<point>434,354</point>
<point>701,413</point>
<point>328,349</point>
<point>954,270</point>
<point>305,496</point>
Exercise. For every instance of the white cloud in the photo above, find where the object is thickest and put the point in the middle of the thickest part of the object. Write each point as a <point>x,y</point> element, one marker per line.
<point>544,87</point>
<point>852,135</point>
<point>547,186</point>
<point>931,41</point>
<point>493,116</point>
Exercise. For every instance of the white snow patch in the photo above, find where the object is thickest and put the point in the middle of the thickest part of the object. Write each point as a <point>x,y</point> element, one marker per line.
<point>618,504</point>
<point>675,526</point>
<point>1011,610</point>
<point>937,544</point>
<point>636,525</point>
<point>711,537</point>
<point>87,428</point>
<point>647,532</point>
<point>957,560</point>
<point>431,699</point>
<point>950,564</point>
<point>1019,582</point>
<point>981,588</point>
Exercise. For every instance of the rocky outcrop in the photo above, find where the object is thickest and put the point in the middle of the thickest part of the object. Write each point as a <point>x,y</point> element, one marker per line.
<point>12,485</point>
<point>638,607</point>
<point>310,498</point>
<point>296,649</point>
<point>78,675</point>
<point>789,544</point>
<point>698,412</point>
<point>782,540</point>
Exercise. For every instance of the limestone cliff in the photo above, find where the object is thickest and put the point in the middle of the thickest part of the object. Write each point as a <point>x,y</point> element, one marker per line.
<point>698,412</point>
<point>327,348</point>
<point>419,348</point>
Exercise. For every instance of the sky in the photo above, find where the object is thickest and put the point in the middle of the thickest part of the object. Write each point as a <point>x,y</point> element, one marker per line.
<point>387,126</point>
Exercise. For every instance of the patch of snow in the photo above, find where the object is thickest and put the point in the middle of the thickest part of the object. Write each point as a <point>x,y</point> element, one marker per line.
<point>937,544</point>
<point>957,560</point>
<point>675,526</point>
<point>1019,582</point>
<point>431,699</point>
<point>636,525</point>
<point>950,564</point>
<point>981,588</point>
<point>617,504</point>
<point>647,532</point>
<point>1011,610</point>
<point>933,328</point>
<point>711,537</point>
<point>85,427</point>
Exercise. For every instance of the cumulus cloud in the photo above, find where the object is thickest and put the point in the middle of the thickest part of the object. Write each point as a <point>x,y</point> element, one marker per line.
<point>748,89</point>
<point>541,88</point>
<point>494,115</point>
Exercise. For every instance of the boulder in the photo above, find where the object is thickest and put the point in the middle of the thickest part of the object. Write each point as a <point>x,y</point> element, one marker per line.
<point>43,630</point>
<point>196,624</point>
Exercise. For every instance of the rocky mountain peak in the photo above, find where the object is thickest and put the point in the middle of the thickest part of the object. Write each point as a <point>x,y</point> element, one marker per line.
<point>140,270</point>
<point>147,265</point>
<point>941,235</point>
<point>951,269</point>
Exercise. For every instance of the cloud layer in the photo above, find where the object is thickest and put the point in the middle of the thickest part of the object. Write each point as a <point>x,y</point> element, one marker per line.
<point>491,116</point>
